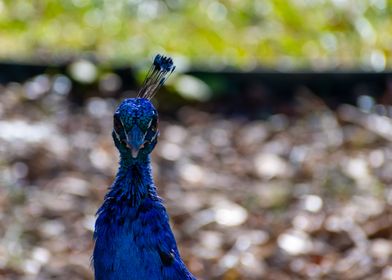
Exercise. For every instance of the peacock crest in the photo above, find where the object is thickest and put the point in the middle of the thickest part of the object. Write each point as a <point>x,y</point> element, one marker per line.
<point>159,72</point>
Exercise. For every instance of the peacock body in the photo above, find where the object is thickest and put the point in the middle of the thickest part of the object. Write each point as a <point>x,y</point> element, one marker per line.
<point>133,238</point>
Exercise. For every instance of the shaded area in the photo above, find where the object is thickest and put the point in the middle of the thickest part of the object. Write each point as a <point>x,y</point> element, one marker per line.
<point>255,94</point>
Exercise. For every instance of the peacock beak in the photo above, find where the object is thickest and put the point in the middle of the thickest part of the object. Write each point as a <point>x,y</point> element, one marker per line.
<point>134,152</point>
<point>135,140</point>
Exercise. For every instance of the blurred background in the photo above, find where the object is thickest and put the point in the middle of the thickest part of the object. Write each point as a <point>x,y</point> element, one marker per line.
<point>275,147</point>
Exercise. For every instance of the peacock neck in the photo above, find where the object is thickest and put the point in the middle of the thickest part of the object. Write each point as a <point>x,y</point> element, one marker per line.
<point>127,162</point>
<point>134,180</point>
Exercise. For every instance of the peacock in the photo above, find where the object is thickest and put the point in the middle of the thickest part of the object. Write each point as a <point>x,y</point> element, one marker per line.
<point>133,238</point>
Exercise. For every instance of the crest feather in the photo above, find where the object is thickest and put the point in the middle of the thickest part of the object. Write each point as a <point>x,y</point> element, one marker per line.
<point>159,72</point>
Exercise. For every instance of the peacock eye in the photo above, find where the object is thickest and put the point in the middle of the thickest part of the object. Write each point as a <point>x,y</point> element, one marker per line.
<point>118,126</point>
<point>153,125</point>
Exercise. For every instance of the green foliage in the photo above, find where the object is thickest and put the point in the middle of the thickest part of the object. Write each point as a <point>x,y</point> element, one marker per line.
<point>318,34</point>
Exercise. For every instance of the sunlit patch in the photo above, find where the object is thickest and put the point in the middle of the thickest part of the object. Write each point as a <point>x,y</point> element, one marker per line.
<point>295,242</point>
<point>229,214</point>
<point>312,203</point>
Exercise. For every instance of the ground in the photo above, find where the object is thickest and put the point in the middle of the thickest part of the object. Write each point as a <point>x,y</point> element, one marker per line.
<point>302,197</point>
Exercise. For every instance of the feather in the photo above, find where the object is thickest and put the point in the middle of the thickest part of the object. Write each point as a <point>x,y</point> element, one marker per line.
<point>159,72</point>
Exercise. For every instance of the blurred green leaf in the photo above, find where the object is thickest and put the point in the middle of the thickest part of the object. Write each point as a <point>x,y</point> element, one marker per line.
<point>243,34</point>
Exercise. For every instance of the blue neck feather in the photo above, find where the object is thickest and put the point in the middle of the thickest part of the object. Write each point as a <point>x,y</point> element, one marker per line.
<point>133,236</point>
<point>133,181</point>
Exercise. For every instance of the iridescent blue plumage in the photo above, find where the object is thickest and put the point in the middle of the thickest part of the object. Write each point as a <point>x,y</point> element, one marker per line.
<point>133,239</point>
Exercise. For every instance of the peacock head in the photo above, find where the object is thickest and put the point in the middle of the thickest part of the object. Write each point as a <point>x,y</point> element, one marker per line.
<point>135,129</point>
<point>135,121</point>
